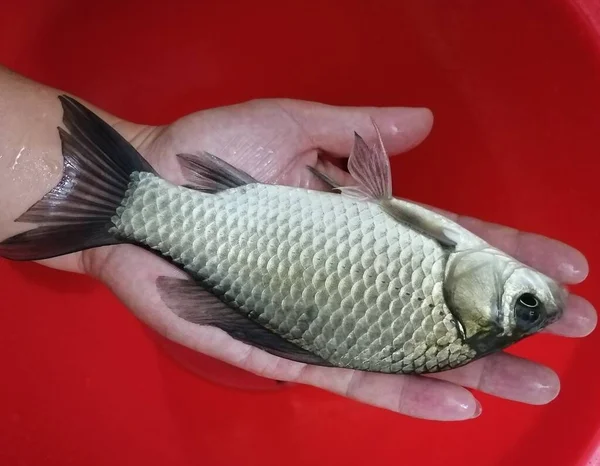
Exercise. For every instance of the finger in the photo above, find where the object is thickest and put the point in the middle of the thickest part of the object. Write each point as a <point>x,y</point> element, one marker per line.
<point>554,258</point>
<point>551,257</point>
<point>131,274</point>
<point>332,128</point>
<point>68,263</point>
<point>508,377</point>
<point>409,395</point>
<point>578,320</point>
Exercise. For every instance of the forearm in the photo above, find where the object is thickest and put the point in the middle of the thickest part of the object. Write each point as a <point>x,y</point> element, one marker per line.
<point>30,151</point>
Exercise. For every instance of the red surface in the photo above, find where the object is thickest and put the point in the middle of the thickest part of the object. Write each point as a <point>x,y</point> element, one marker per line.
<point>514,87</point>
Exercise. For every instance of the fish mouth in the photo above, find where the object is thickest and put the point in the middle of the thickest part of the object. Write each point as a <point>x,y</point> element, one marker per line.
<point>561,296</point>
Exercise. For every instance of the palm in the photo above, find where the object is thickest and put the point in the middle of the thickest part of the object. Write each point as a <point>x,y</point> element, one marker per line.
<point>275,141</point>
<point>264,138</point>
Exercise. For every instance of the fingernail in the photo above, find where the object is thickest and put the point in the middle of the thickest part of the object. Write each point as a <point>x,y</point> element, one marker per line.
<point>572,273</point>
<point>478,409</point>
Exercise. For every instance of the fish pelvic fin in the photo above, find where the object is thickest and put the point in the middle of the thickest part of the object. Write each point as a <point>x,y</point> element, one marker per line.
<point>208,173</point>
<point>324,178</point>
<point>370,166</point>
<point>192,302</point>
<point>77,213</point>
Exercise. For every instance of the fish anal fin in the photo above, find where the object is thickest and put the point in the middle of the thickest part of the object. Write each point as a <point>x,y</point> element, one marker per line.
<point>207,172</point>
<point>190,301</point>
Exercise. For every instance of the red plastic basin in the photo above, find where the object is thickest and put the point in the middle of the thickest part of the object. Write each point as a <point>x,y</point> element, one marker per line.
<point>514,87</point>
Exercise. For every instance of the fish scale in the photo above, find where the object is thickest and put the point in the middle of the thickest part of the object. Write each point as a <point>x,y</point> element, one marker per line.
<point>338,278</point>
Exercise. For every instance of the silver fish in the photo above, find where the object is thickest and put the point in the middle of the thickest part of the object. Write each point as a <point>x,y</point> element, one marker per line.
<point>356,279</point>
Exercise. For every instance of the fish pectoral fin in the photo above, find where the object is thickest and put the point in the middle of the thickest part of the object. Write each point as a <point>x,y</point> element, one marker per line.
<point>207,172</point>
<point>190,301</point>
<point>428,226</point>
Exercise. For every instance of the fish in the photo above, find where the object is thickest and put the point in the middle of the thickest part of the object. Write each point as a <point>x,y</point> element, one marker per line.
<point>348,277</point>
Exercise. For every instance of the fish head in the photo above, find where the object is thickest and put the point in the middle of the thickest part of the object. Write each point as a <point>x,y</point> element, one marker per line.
<point>496,300</point>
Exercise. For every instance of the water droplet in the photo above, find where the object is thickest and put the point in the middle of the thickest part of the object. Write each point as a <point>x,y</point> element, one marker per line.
<point>16,162</point>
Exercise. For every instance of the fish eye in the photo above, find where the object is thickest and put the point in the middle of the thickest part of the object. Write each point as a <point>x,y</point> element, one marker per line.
<point>528,310</point>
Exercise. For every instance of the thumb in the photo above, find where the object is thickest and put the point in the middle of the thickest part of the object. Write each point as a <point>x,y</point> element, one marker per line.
<point>332,128</point>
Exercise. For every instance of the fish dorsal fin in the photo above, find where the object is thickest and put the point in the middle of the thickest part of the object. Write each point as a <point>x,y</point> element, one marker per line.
<point>370,166</point>
<point>208,173</point>
<point>190,301</point>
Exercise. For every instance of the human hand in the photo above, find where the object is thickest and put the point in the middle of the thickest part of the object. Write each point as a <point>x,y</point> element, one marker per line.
<point>275,141</point>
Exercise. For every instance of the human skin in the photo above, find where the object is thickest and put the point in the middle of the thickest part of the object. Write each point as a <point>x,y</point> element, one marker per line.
<point>274,141</point>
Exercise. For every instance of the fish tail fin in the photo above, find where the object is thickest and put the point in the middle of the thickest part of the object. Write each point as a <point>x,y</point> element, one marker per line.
<point>77,213</point>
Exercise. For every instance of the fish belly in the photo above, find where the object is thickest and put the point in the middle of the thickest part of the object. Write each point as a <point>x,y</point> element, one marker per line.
<point>336,276</point>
